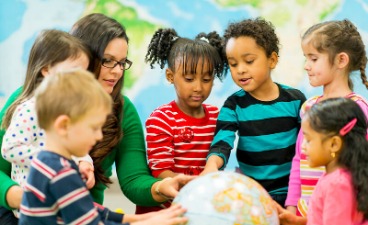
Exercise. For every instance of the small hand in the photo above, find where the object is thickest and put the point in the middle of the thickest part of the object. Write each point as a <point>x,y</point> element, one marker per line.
<point>288,218</point>
<point>169,216</point>
<point>86,169</point>
<point>171,188</point>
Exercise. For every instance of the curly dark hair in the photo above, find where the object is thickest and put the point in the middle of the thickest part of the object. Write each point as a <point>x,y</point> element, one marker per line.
<point>334,37</point>
<point>328,117</point>
<point>262,31</point>
<point>166,47</point>
<point>97,30</point>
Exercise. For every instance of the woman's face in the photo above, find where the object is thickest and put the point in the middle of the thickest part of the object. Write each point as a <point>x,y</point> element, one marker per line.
<point>116,50</point>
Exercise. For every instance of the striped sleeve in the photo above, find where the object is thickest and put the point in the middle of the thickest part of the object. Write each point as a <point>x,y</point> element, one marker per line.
<point>159,137</point>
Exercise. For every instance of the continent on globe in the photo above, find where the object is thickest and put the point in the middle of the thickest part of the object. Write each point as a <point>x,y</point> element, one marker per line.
<point>227,198</point>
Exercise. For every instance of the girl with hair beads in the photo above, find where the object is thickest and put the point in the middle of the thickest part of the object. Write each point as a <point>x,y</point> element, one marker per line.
<point>179,133</point>
<point>335,137</point>
<point>264,114</point>
<point>333,50</point>
<point>52,51</point>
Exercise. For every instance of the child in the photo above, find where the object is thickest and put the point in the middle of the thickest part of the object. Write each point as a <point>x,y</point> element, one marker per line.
<point>335,132</point>
<point>179,133</point>
<point>265,114</point>
<point>333,50</point>
<point>54,192</point>
<point>52,51</point>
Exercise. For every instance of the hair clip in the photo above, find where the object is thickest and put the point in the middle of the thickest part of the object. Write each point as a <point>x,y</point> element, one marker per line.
<point>174,38</point>
<point>348,127</point>
<point>204,39</point>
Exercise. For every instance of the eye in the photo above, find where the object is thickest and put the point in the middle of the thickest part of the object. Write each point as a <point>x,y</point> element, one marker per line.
<point>249,61</point>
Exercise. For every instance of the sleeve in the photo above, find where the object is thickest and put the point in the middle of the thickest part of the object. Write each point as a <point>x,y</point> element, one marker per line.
<point>75,203</point>
<point>86,158</point>
<point>132,169</point>
<point>5,166</point>
<point>160,147</point>
<point>226,126</point>
<point>338,203</point>
<point>21,139</point>
<point>294,189</point>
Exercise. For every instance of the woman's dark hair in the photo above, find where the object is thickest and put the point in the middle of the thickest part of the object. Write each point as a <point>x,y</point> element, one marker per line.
<point>334,37</point>
<point>328,117</point>
<point>97,30</point>
<point>166,47</point>
<point>262,31</point>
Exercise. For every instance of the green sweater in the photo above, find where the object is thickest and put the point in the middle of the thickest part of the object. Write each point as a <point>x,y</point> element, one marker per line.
<point>129,157</point>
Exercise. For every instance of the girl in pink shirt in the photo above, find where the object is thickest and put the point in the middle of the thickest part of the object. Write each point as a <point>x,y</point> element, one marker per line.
<point>335,137</point>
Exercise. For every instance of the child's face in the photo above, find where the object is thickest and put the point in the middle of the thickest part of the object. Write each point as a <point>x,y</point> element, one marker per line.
<point>117,49</point>
<point>319,69</point>
<point>249,66</point>
<point>83,134</point>
<point>191,89</point>
<point>81,61</point>
<point>315,146</point>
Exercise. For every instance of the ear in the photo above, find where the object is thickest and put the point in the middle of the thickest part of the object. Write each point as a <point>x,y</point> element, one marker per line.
<point>342,60</point>
<point>273,60</point>
<point>169,75</point>
<point>45,71</point>
<point>61,124</point>
<point>335,144</point>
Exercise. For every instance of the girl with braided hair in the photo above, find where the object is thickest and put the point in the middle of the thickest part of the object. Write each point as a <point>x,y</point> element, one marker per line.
<point>179,133</point>
<point>333,50</point>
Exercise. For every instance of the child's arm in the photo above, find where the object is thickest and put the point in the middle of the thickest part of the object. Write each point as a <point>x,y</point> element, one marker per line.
<point>294,190</point>
<point>23,139</point>
<point>160,144</point>
<point>86,169</point>
<point>213,164</point>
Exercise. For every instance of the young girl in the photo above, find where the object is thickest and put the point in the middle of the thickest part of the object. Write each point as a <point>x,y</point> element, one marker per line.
<point>264,114</point>
<point>335,132</point>
<point>179,133</point>
<point>333,50</point>
<point>52,51</point>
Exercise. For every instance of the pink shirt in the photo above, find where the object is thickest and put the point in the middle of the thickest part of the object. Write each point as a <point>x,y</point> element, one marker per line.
<point>301,171</point>
<point>334,202</point>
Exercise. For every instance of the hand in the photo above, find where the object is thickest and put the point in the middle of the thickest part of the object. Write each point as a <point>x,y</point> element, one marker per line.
<point>288,218</point>
<point>86,169</point>
<point>213,164</point>
<point>169,216</point>
<point>170,188</point>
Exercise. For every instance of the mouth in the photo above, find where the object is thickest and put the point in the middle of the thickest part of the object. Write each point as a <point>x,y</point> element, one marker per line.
<point>197,98</point>
<point>244,81</point>
<point>110,82</point>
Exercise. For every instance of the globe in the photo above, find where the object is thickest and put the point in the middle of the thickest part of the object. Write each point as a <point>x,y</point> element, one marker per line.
<point>226,198</point>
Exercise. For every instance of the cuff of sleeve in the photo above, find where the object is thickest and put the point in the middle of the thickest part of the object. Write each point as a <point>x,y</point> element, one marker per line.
<point>114,216</point>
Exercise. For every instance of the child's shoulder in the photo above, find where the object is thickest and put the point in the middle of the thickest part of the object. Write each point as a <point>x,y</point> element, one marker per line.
<point>51,162</point>
<point>292,92</point>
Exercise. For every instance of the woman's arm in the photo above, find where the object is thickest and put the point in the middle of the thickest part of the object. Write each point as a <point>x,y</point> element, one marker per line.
<point>5,167</point>
<point>131,162</point>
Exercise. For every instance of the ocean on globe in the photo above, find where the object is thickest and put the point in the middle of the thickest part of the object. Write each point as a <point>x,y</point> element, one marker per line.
<point>226,198</point>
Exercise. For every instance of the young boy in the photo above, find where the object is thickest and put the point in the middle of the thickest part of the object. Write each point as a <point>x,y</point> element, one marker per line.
<point>72,108</point>
<point>264,114</point>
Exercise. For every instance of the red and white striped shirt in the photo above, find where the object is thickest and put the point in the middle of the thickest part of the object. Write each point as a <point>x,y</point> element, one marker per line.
<point>178,142</point>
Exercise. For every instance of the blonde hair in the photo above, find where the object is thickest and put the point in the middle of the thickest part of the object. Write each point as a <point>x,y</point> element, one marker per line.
<point>72,93</point>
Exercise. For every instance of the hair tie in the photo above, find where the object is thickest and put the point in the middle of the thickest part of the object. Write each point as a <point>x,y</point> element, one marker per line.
<point>204,39</point>
<point>347,128</point>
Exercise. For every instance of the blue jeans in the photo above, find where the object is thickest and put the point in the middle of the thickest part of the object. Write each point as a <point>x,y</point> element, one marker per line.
<point>7,217</point>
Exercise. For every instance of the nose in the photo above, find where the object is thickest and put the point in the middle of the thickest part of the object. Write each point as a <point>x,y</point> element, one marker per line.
<point>118,69</point>
<point>197,85</point>
<point>306,66</point>
<point>241,68</point>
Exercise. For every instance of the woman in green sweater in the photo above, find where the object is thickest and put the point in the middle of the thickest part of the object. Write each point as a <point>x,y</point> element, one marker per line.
<point>123,138</point>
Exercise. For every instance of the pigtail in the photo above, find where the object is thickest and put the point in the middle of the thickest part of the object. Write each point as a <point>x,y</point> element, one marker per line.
<point>160,46</point>
<point>214,39</point>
